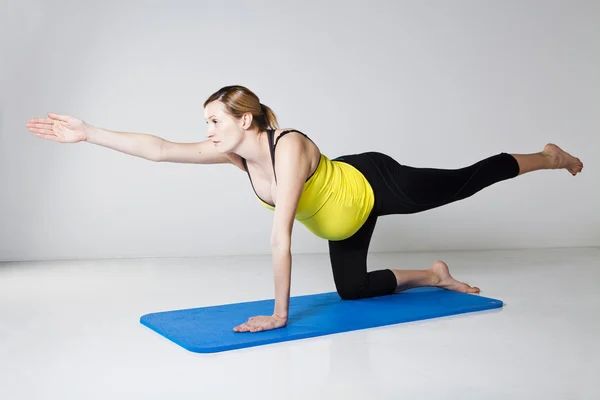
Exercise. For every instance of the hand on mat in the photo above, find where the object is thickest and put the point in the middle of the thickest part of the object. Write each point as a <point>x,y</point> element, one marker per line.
<point>60,128</point>
<point>262,323</point>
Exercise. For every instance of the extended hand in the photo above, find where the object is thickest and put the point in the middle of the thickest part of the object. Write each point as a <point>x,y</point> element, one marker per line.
<point>60,128</point>
<point>262,323</point>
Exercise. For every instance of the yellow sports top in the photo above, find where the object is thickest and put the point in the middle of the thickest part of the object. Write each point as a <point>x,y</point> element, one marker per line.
<point>336,200</point>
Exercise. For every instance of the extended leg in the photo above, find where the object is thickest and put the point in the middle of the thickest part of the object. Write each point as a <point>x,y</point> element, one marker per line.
<point>402,189</point>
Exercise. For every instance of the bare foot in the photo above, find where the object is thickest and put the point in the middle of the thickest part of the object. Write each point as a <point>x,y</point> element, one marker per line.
<point>560,159</point>
<point>446,281</point>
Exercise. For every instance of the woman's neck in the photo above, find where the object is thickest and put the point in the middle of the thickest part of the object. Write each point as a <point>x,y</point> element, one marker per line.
<point>254,147</point>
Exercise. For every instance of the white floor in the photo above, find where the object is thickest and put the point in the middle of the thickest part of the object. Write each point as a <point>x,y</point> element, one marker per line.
<point>70,330</point>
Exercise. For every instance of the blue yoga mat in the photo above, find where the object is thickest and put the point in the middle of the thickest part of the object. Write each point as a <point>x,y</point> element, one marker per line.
<point>210,329</point>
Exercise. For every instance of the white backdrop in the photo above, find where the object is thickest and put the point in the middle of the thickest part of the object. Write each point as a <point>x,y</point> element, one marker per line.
<point>434,84</point>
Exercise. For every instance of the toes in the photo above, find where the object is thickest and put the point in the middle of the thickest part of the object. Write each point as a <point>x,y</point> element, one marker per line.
<point>465,288</point>
<point>468,289</point>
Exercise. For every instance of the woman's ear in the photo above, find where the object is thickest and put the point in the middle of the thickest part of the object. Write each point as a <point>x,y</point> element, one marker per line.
<point>247,120</point>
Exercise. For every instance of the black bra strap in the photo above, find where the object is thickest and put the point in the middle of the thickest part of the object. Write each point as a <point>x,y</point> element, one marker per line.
<point>270,135</point>
<point>285,133</point>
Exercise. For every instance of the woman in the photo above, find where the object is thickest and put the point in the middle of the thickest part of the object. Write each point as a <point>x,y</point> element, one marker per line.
<point>338,200</point>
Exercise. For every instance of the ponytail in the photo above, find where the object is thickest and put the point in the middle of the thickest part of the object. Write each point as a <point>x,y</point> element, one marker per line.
<point>269,117</point>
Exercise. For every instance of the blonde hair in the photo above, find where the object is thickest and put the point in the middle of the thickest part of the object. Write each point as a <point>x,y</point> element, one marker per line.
<point>239,100</point>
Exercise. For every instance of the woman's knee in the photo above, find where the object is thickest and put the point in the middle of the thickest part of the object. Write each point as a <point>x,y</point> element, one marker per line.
<point>353,291</point>
<point>350,293</point>
<point>375,283</point>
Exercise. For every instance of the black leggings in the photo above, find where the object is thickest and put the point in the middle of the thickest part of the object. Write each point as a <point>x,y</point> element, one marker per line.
<point>400,189</point>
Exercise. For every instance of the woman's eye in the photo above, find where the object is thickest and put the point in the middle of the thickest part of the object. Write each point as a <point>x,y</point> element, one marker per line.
<point>215,121</point>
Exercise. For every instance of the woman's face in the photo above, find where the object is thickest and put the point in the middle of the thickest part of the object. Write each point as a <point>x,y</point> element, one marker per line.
<point>224,130</point>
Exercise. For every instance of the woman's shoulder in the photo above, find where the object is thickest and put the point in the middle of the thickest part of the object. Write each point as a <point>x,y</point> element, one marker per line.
<point>302,140</point>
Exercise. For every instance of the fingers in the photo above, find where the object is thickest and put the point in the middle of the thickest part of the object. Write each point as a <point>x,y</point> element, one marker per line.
<point>64,118</point>
<point>242,328</point>
<point>50,137</point>
<point>40,128</point>
<point>254,324</point>
<point>41,124</point>
<point>40,121</point>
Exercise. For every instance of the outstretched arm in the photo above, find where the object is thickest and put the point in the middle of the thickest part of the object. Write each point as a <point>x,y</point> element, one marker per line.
<point>291,170</point>
<point>68,129</point>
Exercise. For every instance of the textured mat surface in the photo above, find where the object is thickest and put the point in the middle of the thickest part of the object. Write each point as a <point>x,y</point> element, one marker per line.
<point>210,329</point>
